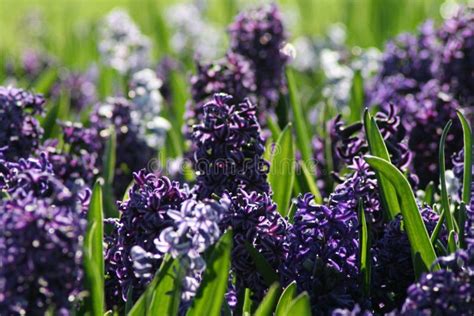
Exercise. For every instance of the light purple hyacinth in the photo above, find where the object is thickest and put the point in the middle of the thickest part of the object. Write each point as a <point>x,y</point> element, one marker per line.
<point>20,132</point>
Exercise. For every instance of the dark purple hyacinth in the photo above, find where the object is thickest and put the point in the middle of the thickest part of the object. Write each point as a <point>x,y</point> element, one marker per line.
<point>76,164</point>
<point>20,132</point>
<point>229,148</point>
<point>42,226</point>
<point>31,65</point>
<point>259,36</point>
<point>255,222</point>
<point>448,291</point>
<point>144,215</point>
<point>455,64</point>
<point>436,108</point>
<point>166,66</point>
<point>458,170</point>
<point>79,87</point>
<point>392,270</point>
<point>132,151</point>
<point>323,254</point>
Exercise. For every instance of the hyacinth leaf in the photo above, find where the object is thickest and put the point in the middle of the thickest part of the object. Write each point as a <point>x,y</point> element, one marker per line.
<point>273,127</point>
<point>303,138</point>
<point>378,148</point>
<point>93,252</point>
<point>285,299</point>
<point>437,229</point>
<point>365,258</point>
<point>442,178</point>
<point>46,81</point>
<point>269,275</point>
<point>467,176</point>
<point>267,306</point>
<point>356,102</point>
<point>461,218</point>
<point>429,193</point>
<point>210,295</point>
<point>282,170</point>
<point>313,188</point>
<point>110,157</point>
<point>165,298</point>
<point>416,230</point>
<point>247,306</point>
<point>452,241</point>
<point>300,306</point>
<point>140,306</point>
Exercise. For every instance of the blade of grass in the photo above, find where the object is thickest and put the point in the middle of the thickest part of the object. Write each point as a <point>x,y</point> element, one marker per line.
<point>282,170</point>
<point>365,258</point>
<point>442,179</point>
<point>417,233</point>
<point>356,102</point>
<point>247,308</point>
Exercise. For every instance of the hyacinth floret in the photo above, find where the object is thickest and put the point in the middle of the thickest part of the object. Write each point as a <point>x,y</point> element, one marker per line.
<point>20,132</point>
<point>229,148</point>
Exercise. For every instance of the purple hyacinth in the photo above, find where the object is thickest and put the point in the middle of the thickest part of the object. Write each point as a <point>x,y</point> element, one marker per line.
<point>20,132</point>
<point>76,164</point>
<point>259,35</point>
<point>42,226</point>
<point>436,108</point>
<point>323,254</point>
<point>393,267</point>
<point>80,86</point>
<point>448,291</point>
<point>458,170</point>
<point>132,153</point>
<point>144,215</point>
<point>255,222</point>
<point>455,62</point>
<point>229,148</point>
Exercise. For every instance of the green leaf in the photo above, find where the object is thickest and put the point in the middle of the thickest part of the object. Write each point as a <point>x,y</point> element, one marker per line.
<point>300,306</point>
<point>356,102</point>
<point>442,179</point>
<point>377,148</point>
<point>210,295</point>
<point>247,307</point>
<point>415,227</point>
<point>285,299</point>
<point>452,241</point>
<point>49,122</point>
<point>269,275</point>
<point>429,193</point>
<point>46,81</point>
<point>313,187</point>
<point>282,170</point>
<point>365,258</point>
<point>274,128</point>
<point>467,177</point>
<point>268,303</point>
<point>93,253</point>
<point>165,298</point>
<point>110,157</point>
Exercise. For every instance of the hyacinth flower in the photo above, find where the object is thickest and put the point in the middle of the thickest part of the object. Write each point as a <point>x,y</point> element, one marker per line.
<point>259,35</point>
<point>255,222</point>
<point>80,87</point>
<point>144,93</point>
<point>194,228</point>
<point>393,269</point>
<point>144,215</point>
<point>42,223</point>
<point>133,152</point>
<point>122,46</point>
<point>448,291</point>
<point>20,132</point>
<point>233,75</point>
<point>229,148</point>
<point>323,247</point>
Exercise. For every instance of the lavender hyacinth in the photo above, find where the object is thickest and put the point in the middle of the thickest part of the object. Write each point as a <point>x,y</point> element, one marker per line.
<point>322,256</point>
<point>255,222</point>
<point>20,132</point>
<point>448,291</point>
<point>122,45</point>
<point>259,35</point>
<point>229,148</point>
<point>80,86</point>
<point>144,216</point>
